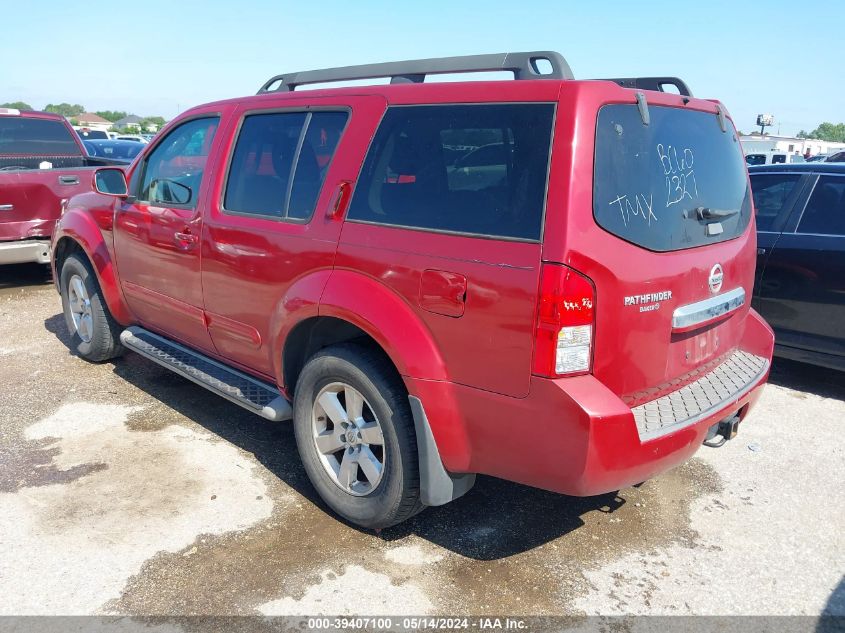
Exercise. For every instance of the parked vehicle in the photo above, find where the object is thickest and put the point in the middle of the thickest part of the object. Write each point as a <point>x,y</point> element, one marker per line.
<point>86,134</point>
<point>42,164</point>
<point>353,259</point>
<point>800,285</point>
<point>838,157</point>
<point>123,151</point>
<point>138,138</point>
<point>773,158</point>
<point>817,158</point>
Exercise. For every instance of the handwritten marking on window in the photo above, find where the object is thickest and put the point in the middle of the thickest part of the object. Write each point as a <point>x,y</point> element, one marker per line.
<point>679,173</point>
<point>640,207</point>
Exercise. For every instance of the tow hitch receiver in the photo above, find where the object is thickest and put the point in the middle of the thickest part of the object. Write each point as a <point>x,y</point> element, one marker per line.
<point>721,432</point>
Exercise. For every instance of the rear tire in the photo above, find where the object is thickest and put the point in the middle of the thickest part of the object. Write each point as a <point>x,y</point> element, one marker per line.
<point>95,335</point>
<point>351,415</point>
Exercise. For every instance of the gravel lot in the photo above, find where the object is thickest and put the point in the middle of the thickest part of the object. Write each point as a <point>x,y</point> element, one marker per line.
<point>125,489</point>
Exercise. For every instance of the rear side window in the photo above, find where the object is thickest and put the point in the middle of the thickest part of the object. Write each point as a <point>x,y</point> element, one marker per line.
<point>660,185</point>
<point>771,191</point>
<point>42,137</point>
<point>755,159</point>
<point>475,169</point>
<point>280,162</point>
<point>825,212</point>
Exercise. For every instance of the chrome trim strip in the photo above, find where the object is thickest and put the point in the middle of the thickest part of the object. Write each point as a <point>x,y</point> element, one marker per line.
<point>703,311</point>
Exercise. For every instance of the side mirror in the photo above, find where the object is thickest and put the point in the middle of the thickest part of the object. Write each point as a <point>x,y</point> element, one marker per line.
<point>111,181</point>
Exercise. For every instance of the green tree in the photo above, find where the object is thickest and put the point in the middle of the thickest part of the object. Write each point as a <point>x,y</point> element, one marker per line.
<point>65,109</point>
<point>829,132</point>
<point>111,115</point>
<point>17,105</point>
<point>152,123</point>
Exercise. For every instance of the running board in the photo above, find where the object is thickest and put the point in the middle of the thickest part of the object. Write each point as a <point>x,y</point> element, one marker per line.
<point>250,393</point>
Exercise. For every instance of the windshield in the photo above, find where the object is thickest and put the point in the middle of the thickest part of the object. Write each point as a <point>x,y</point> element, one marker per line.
<point>661,186</point>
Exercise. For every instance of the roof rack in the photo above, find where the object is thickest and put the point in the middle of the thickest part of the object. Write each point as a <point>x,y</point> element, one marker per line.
<point>522,65</point>
<point>653,83</point>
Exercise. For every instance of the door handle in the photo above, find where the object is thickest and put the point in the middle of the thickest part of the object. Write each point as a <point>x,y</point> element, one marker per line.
<point>68,180</point>
<point>7,207</point>
<point>185,240</point>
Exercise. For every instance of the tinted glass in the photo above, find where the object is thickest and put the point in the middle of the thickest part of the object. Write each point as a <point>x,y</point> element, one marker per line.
<point>650,180</point>
<point>755,159</point>
<point>261,163</point>
<point>478,169</point>
<point>318,146</point>
<point>825,212</point>
<point>41,137</point>
<point>778,159</point>
<point>771,192</point>
<point>173,171</point>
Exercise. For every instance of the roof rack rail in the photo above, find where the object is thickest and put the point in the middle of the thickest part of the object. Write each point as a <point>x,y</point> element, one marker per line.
<point>522,65</point>
<point>653,83</point>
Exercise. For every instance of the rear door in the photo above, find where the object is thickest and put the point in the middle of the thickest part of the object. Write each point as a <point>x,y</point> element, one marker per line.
<point>775,195</point>
<point>448,213</point>
<point>803,287</point>
<point>267,223</point>
<point>668,241</point>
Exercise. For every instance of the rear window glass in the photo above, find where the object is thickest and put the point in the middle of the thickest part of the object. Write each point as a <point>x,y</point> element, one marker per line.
<point>475,169</point>
<point>771,191</point>
<point>42,137</point>
<point>277,170</point>
<point>660,185</point>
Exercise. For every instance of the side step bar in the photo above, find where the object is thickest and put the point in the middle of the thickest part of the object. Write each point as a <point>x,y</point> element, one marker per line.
<point>250,393</point>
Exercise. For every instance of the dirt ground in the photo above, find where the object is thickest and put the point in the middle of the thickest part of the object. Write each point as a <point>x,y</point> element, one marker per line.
<point>125,489</point>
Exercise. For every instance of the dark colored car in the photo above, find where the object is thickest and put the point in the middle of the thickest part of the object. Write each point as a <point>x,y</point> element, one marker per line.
<point>800,282</point>
<point>838,157</point>
<point>544,280</point>
<point>123,151</point>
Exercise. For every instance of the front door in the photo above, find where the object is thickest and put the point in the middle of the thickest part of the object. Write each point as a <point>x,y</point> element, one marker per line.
<point>158,229</point>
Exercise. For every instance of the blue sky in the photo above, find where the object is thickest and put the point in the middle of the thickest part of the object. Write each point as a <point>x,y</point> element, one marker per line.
<point>157,57</point>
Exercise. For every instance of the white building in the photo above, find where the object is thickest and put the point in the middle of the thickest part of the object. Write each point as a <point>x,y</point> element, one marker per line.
<point>754,144</point>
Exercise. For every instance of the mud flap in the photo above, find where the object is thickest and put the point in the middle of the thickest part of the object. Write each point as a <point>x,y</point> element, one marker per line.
<point>437,485</point>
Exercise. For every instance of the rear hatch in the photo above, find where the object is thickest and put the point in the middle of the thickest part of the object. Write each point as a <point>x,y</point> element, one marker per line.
<point>668,242</point>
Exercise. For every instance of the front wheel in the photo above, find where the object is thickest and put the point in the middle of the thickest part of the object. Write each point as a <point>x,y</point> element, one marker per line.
<point>94,333</point>
<point>355,435</point>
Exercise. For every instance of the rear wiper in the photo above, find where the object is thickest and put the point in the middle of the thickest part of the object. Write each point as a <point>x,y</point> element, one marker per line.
<point>706,213</point>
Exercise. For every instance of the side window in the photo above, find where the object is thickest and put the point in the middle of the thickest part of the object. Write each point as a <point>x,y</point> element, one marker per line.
<point>771,192</point>
<point>755,159</point>
<point>280,162</point>
<point>477,169</point>
<point>825,212</point>
<point>318,147</point>
<point>778,159</point>
<point>173,171</point>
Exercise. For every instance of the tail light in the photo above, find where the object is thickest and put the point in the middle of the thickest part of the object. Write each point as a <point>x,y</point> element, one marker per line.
<point>565,317</point>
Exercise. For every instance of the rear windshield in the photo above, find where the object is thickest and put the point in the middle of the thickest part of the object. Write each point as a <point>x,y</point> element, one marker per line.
<point>676,183</point>
<point>42,137</point>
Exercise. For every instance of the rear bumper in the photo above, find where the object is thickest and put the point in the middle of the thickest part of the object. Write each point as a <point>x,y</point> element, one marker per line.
<point>573,435</point>
<point>25,251</point>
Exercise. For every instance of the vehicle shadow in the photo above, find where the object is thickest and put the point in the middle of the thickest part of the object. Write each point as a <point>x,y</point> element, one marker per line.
<point>20,275</point>
<point>827,383</point>
<point>496,519</point>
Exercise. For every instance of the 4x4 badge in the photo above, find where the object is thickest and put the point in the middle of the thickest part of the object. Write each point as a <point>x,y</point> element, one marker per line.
<point>715,279</point>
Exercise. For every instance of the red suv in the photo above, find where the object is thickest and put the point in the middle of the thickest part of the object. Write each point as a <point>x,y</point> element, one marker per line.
<point>544,280</point>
